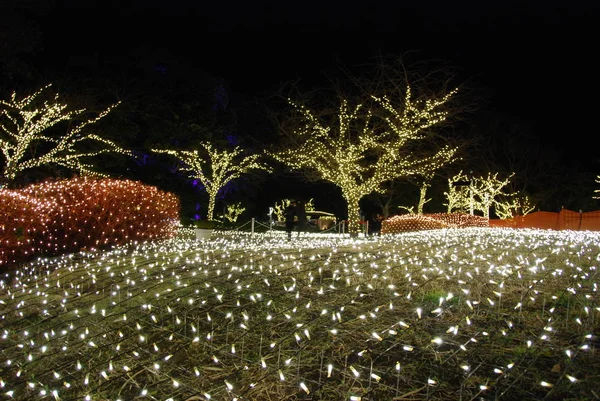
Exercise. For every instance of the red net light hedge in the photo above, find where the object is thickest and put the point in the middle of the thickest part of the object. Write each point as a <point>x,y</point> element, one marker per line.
<point>460,219</point>
<point>69,215</point>
<point>418,222</point>
<point>21,225</point>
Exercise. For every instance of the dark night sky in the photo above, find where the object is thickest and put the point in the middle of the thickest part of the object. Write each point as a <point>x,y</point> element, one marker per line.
<point>536,58</point>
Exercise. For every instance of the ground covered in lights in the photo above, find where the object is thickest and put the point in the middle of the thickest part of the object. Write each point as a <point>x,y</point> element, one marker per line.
<point>457,314</point>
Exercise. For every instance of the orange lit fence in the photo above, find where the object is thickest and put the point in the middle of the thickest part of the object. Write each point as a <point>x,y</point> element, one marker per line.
<point>565,220</point>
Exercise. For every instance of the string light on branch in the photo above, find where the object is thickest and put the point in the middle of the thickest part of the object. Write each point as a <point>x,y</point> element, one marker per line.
<point>358,154</point>
<point>597,191</point>
<point>214,167</point>
<point>26,140</point>
<point>467,193</point>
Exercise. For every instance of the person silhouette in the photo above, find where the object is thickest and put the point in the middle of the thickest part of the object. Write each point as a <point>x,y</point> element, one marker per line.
<point>290,213</point>
<point>301,214</point>
<point>375,224</point>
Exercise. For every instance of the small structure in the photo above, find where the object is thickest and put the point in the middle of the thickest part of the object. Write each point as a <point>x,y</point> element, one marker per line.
<point>203,233</point>
<point>320,220</point>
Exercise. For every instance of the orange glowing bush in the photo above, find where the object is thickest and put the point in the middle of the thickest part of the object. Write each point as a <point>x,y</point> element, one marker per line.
<point>66,216</point>
<point>20,225</point>
<point>418,222</point>
<point>410,222</point>
<point>460,219</point>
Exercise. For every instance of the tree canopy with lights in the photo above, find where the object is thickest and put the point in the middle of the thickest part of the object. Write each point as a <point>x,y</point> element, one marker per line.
<point>360,147</point>
<point>28,138</point>
<point>214,167</point>
<point>469,193</point>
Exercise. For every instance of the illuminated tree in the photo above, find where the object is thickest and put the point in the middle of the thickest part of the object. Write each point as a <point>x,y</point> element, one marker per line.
<point>233,212</point>
<point>214,168</point>
<point>508,207</point>
<point>28,140</point>
<point>481,193</point>
<point>425,183</point>
<point>399,194</point>
<point>361,147</point>
<point>487,189</point>
<point>597,191</point>
<point>279,208</point>
<point>459,195</point>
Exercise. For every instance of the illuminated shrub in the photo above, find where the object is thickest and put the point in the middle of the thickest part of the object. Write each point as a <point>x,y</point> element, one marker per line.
<point>461,220</point>
<point>418,222</point>
<point>410,222</point>
<point>66,216</point>
<point>20,226</point>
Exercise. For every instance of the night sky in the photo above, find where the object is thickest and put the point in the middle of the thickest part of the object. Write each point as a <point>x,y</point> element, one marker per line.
<point>535,60</point>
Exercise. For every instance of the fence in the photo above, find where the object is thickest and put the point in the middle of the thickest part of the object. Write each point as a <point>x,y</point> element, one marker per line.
<point>254,225</point>
<point>564,220</point>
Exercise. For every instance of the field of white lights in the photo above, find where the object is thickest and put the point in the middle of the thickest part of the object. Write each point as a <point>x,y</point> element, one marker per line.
<point>455,314</point>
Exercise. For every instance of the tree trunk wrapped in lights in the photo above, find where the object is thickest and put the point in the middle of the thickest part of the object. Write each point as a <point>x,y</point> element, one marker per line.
<point>214,168</point>
<point>361,148</point>
<point>27,142</point>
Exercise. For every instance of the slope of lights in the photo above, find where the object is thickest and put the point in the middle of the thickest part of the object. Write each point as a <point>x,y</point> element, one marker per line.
<point>450,314</point>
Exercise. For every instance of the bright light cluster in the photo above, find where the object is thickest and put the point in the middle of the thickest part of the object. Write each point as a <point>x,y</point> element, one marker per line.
<point>233,212</point>
<point>65,216</point>
<point>473,313</point>
<point>26,140</point>
<point>358,152</point>
<point>214,168</point>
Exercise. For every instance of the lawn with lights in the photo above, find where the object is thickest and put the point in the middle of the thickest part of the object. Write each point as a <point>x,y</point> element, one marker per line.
<point>452,314</point>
